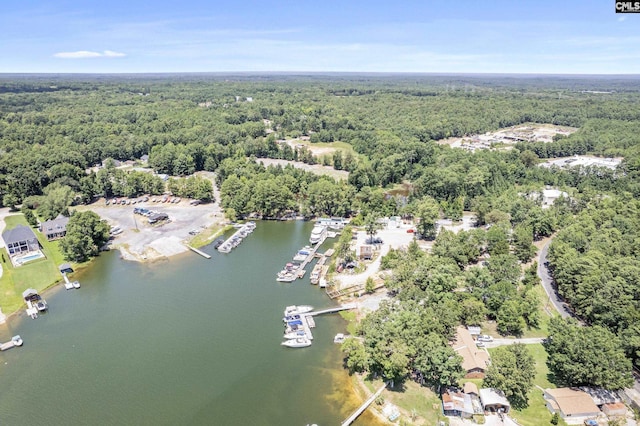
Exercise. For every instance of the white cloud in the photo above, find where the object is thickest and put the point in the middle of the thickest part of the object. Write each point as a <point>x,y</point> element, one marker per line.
<point>83,54</point>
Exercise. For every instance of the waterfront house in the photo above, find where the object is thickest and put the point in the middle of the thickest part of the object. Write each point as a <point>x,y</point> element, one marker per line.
<point>55,229</point>
<point>20,239</point>
<point>573,405</point>
<point>494,401</point>
<point>475,360</point>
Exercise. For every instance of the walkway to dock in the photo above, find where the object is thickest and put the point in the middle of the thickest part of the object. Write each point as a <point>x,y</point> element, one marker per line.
<point>363,407</point>
<point>15,341</point>
<point>344,307</point>
<point>200,252</point>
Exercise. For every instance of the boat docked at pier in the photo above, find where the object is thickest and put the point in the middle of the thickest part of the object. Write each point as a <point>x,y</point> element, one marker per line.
<point>318,234</point>
<point>300,342</point>
<point>303,254</point>
<point>235,240</point>
<point>337,223</point>
<point>297,310</point>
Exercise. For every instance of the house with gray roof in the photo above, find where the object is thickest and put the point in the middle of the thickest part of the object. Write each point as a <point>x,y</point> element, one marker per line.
<point>20,239</point>
<point>55,229</point>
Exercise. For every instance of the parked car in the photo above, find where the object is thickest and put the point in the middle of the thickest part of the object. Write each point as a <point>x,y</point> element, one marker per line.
<point>480,344</point>
<point>485,338</point>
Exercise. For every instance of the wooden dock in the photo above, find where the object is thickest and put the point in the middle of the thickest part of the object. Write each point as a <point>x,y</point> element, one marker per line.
<point>363,407</point>
<point>200,252</point>
<point>344,307</point>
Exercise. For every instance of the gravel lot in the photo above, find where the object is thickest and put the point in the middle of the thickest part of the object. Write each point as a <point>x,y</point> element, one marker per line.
<point>141,241</point>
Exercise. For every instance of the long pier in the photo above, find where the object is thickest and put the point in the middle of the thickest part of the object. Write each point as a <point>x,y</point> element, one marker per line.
<point>200,252</point>
<point>344,307</point>
<point>15,341</point>
<point>363,407</point>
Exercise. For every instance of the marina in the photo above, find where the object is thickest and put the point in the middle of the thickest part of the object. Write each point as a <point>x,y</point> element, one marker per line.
<point>296,268</point>
<point>235,240</point>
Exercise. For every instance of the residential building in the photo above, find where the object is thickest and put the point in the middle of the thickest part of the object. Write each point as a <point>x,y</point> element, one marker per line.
<point>365,252</point>
<point>475,360</point>
<point>573,405</point>
<point>55,229</point>
<point>20,239</point>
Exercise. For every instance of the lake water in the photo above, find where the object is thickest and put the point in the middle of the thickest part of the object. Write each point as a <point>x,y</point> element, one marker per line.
<point>188,341</point>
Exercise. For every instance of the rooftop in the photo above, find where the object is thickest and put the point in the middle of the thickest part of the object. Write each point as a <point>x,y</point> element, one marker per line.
<point>572,402</point>
<point>19,233</point>
<point>472,356</point>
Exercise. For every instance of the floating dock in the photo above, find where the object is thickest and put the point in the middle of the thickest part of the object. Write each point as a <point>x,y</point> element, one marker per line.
<point>233,241</point>
<point>68,284</point>
<point>200,252</point>
<point>15,341</point>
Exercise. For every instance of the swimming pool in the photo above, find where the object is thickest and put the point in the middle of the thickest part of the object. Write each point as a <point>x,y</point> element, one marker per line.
<point>28,258</point>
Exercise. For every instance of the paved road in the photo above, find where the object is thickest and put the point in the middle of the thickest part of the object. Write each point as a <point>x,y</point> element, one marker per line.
<point>547,283</point>
<point>504,342</point>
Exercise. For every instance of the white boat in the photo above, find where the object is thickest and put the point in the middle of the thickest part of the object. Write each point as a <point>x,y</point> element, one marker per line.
<point>17,340</point>
<point>339,338</point>
<point>300,342</point>
<point>76,284</point>
<point>41,305</point>
<point>318,233</point>
<point>297,310</point>
<point>286,276</point>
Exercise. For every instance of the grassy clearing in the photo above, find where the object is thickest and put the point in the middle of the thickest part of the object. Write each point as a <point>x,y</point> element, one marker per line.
<point>208,235</point>
<point>418,405</point>
<point>38,274</point>
<point>350,317</point>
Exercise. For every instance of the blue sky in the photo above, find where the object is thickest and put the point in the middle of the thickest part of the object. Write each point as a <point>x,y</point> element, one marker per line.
<point>465,36</point>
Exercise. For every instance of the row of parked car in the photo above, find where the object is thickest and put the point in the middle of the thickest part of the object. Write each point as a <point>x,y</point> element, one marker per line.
<point>162,199</point>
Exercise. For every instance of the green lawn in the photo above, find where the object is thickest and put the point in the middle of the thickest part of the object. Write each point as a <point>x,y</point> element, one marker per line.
<point>208,235</point>
<point>38,274</point>
<point>536,414</point>
<point>414,399</point>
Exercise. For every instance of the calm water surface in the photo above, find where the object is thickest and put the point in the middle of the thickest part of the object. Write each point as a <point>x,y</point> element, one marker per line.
<point>187,341</point>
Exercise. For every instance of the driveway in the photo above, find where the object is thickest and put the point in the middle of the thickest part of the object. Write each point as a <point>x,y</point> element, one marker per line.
<point>547,283</point>
<point>504,342</point>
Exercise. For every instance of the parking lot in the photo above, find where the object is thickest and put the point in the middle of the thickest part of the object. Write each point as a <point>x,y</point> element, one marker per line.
<point>138,239</point>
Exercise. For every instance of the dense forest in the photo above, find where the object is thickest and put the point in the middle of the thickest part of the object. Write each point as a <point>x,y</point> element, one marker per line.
<point>57,134</point>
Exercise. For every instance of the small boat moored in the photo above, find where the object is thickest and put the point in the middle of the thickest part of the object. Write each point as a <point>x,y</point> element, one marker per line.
<point>339,338</point>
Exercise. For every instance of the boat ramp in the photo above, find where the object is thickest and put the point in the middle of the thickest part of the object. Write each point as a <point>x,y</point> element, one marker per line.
<point>235,240</point>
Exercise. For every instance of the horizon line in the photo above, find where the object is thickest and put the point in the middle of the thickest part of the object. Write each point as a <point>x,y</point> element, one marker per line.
<point>320,73</point>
